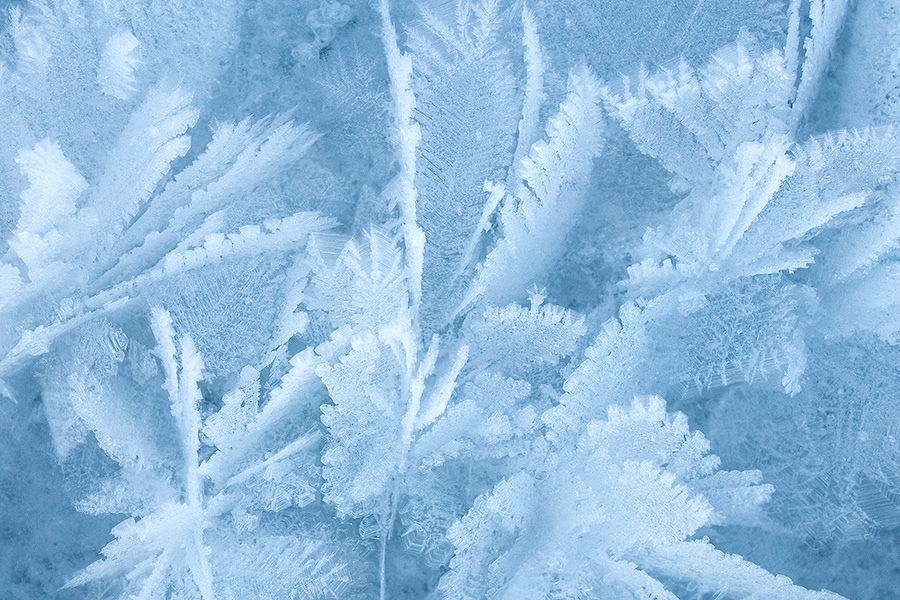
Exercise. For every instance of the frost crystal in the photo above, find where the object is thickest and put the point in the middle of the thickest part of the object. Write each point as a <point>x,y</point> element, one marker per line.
<point>348,299</point>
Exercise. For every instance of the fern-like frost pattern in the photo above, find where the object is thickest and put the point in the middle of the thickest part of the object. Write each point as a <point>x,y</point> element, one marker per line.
<point>469,300</point>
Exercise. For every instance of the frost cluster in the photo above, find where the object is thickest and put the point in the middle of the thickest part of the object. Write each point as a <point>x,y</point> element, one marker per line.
<point>338,299</point>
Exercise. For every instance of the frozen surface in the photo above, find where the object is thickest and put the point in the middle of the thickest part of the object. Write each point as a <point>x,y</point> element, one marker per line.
<point>460,300</point>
